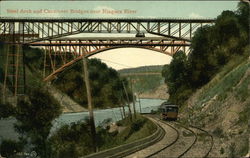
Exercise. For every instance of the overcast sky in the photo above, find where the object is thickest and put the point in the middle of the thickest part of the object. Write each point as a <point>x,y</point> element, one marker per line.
<point>119,58</point>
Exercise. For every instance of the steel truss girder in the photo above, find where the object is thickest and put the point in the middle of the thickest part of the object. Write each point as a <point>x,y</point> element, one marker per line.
<point>60,56</point>
<point>45,29</point>
<point>113,42</point>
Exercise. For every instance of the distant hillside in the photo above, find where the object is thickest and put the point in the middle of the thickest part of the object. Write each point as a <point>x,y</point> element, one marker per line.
<point>147,81</point>
<point>153,68</point>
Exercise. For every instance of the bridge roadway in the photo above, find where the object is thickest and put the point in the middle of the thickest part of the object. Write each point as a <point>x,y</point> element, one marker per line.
<point>112,38</point>
<point>111,41</point>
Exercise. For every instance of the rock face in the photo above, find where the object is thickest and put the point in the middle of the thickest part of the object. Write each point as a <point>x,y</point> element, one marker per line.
<point>65,101</point>
<point>223,111</point>
<point>158,93</point>
<point>114,127</point>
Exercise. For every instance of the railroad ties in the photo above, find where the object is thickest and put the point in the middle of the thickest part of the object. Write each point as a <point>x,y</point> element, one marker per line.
<point>179,141</point>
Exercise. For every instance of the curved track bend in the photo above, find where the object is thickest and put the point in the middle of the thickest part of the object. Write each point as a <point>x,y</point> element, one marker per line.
<point>179,141</point>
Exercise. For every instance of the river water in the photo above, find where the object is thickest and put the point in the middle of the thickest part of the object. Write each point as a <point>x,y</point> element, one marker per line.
<point>7,125</point>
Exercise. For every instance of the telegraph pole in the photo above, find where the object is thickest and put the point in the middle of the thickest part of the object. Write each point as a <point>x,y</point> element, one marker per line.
<point>90,106</point>
<point>131,84</point>
<point>139,100</point>
<point>130,113</point>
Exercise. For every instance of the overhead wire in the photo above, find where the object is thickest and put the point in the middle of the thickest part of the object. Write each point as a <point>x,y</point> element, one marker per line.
<point>127,66</point>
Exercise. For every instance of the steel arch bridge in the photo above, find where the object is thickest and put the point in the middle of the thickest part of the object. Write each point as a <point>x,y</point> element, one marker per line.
<point>61,51</point>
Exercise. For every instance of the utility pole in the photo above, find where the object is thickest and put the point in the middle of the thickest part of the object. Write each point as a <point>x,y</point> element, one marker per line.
<point>131,84</point>
<point>139,101</point>
<point>130,113</point>
<point>122,105</point>
<point>90,106</point>
<point>121,112</point>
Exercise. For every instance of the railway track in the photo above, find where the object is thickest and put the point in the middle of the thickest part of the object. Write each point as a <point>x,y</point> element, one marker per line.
<point>171,139</point>
<point>188,141</point>
<point>210,139</point>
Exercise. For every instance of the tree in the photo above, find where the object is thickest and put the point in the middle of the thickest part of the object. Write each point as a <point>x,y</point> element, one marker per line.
<point>9,148</point>
<point>6,110</point>
<point>34,118</point>
<point>211,48</point>
<point>72,140</point>
<point>106,84</point>
<point>176,75</point>
<point>243,15</point>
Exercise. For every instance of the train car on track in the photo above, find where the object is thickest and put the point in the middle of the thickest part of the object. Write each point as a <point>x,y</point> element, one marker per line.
<point>140,34</point>
<point>169,111</point>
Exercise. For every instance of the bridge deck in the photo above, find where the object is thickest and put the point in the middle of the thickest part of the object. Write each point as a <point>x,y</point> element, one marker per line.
<point>112,38</point>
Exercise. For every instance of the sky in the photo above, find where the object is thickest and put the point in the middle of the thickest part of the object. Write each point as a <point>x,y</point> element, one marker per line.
<point>122,57</point>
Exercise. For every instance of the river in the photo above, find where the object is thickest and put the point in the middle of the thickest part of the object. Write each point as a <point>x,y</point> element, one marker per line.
<point>7,125</point>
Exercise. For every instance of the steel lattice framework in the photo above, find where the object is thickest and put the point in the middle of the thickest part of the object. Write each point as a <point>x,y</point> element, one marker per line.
<point>46,29</point>
<point>61,51</point>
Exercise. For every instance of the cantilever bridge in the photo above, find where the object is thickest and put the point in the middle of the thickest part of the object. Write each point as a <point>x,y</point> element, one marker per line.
<point>61,49</point>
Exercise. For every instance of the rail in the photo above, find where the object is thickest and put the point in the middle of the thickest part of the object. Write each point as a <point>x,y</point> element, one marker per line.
<point>211,137</point>
<point>178,138</point>
<point>182,154</point>
<point>127,149</point>
<point>178,135</point>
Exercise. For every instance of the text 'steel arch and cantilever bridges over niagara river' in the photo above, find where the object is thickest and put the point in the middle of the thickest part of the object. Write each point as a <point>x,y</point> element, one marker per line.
<point>61,51</point>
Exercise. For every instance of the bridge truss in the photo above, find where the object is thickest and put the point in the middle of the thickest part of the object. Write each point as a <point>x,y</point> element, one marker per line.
<point>61,51</point>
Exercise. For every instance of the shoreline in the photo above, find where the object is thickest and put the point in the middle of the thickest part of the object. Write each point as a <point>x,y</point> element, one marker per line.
<point>71,112</point>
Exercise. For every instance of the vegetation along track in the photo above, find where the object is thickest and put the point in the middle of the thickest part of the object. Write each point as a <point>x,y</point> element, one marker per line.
<point>191,141</point>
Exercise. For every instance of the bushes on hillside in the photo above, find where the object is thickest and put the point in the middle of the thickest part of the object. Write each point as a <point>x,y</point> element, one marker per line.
<point>9,148</point>
<point>72,140</point>
<point>106,84</point>
<point>6,110</point>
<point>212,47</point>
<point>34,115</point>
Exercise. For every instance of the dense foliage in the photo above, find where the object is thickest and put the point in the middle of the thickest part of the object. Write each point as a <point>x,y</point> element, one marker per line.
<point>176,77</point>
<point>36,112</point>
<point>212,47</point>
<point>6,110</point>
<point>9,148</point>
<point>34,115</point>
<point>75,140</point>
<point>106,84</point>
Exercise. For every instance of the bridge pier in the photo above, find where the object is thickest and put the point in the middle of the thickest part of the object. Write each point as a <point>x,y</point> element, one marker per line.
<point>14,73</point>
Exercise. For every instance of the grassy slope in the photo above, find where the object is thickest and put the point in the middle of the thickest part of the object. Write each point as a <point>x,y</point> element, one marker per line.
<point>223,107</point>
<point>129,134</point>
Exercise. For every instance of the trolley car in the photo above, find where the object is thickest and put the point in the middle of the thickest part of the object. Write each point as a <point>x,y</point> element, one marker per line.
<point>140,34</point>
<point>169,111</point>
